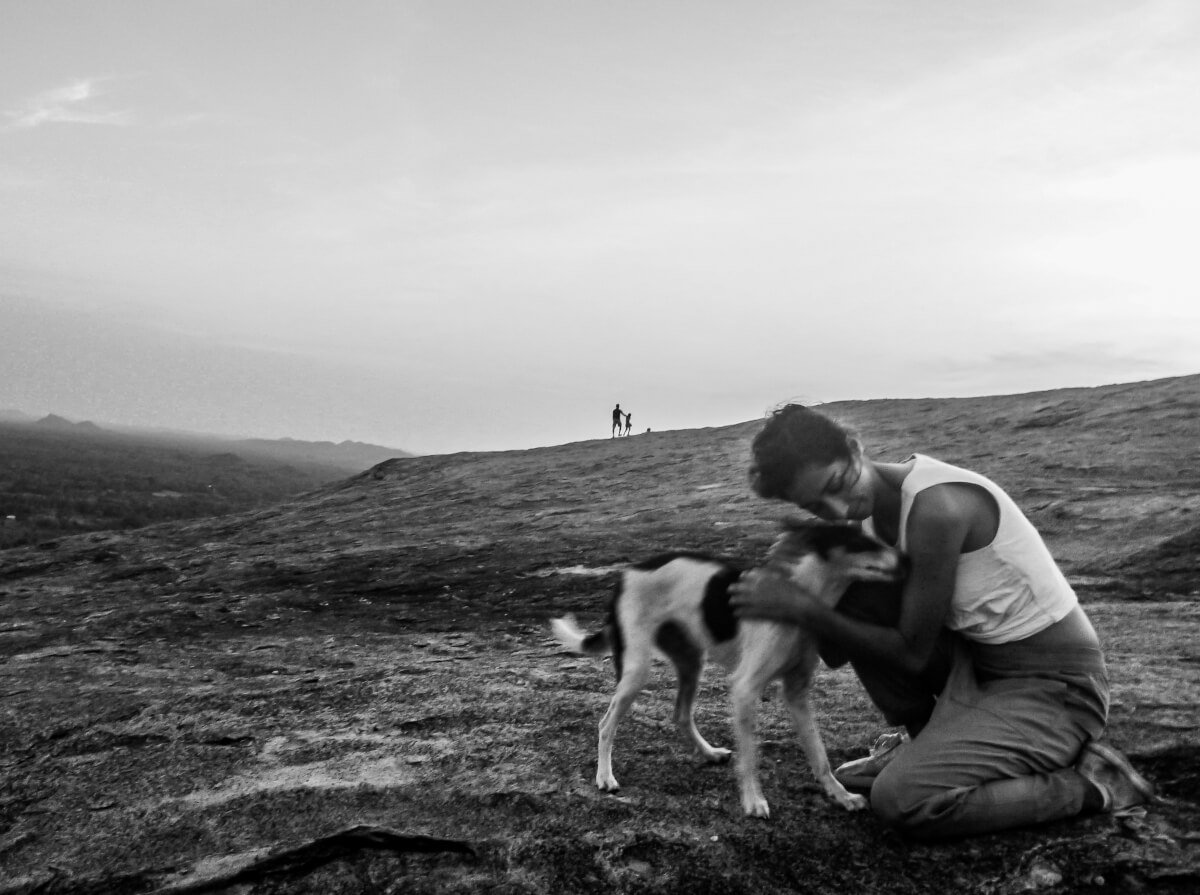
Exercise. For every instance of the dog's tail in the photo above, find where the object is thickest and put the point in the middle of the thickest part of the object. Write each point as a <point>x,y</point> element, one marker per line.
<point>567,632</point>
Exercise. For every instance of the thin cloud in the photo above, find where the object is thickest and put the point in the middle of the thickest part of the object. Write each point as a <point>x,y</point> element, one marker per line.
<point>74,103</point>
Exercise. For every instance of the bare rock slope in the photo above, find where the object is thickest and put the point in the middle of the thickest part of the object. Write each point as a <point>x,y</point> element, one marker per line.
<point>353,691</point>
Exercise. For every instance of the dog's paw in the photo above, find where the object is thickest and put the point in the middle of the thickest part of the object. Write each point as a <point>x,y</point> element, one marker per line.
<point>717,755</point>
<point>756,807</point>
<point>852,801</point>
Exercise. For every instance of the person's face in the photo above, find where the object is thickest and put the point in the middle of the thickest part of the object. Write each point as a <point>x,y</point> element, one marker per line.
<point>833,492</point>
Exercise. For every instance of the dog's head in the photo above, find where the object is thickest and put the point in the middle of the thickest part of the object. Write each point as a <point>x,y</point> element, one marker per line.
<point>833,551</point>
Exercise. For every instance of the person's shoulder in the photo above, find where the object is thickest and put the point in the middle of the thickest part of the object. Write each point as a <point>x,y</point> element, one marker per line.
<point>944,507</point>
<point>940,498</point>
<point>950,506</point>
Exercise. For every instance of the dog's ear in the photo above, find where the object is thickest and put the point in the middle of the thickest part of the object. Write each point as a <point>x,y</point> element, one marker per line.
<point>801,535</point>
<point>798,536</point>
<point>847,536</point>
<point>794,540</point>
<point>818,529</point>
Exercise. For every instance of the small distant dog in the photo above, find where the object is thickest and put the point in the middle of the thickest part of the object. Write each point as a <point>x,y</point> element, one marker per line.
<point>677,605</point>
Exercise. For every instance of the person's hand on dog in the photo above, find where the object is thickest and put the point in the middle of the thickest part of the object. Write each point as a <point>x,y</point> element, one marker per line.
<point>763,593</point>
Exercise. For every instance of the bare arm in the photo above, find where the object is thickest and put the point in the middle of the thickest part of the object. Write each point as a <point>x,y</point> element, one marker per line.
<point>939,524</point>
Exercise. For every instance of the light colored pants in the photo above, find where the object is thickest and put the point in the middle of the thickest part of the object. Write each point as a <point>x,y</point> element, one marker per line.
<point>997,749</point>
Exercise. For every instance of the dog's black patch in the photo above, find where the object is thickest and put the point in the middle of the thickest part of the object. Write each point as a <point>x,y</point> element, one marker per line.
<point>673,640</point>
<point>718,614</point>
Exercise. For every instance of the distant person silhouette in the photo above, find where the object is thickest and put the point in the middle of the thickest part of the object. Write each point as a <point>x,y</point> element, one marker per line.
<point>616,429</point>
<point>628,424</point>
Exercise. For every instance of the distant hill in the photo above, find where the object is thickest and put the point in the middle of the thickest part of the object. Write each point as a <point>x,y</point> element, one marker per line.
<point>353,456</point>
<point>54,421</point>
<point>60,477</point>
<point>347,456</point>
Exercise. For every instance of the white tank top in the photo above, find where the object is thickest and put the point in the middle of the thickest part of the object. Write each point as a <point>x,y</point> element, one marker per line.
<point>1008,590</point>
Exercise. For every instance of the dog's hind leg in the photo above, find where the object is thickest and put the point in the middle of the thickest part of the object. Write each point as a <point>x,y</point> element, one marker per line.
<point>795,693</point>
<point>634,675</point>
<point>688,659</point>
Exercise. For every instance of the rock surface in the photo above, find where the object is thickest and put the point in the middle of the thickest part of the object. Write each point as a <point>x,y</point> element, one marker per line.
<point>374,654</point>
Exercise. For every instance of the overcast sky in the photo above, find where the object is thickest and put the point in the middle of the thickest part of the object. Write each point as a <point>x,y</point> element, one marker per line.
<point>447,225</point>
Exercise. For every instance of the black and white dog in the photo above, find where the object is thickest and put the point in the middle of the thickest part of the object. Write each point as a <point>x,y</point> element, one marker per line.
<point>677,605</point>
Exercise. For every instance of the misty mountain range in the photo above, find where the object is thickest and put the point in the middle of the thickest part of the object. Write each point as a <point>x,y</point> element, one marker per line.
<point>349,456</point>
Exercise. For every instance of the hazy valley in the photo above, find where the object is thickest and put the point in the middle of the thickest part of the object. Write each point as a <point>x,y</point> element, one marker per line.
<point>61,477</point>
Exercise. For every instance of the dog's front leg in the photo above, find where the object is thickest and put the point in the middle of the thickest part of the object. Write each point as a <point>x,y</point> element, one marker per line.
<point>744,694</point>
<point>795,691</point>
